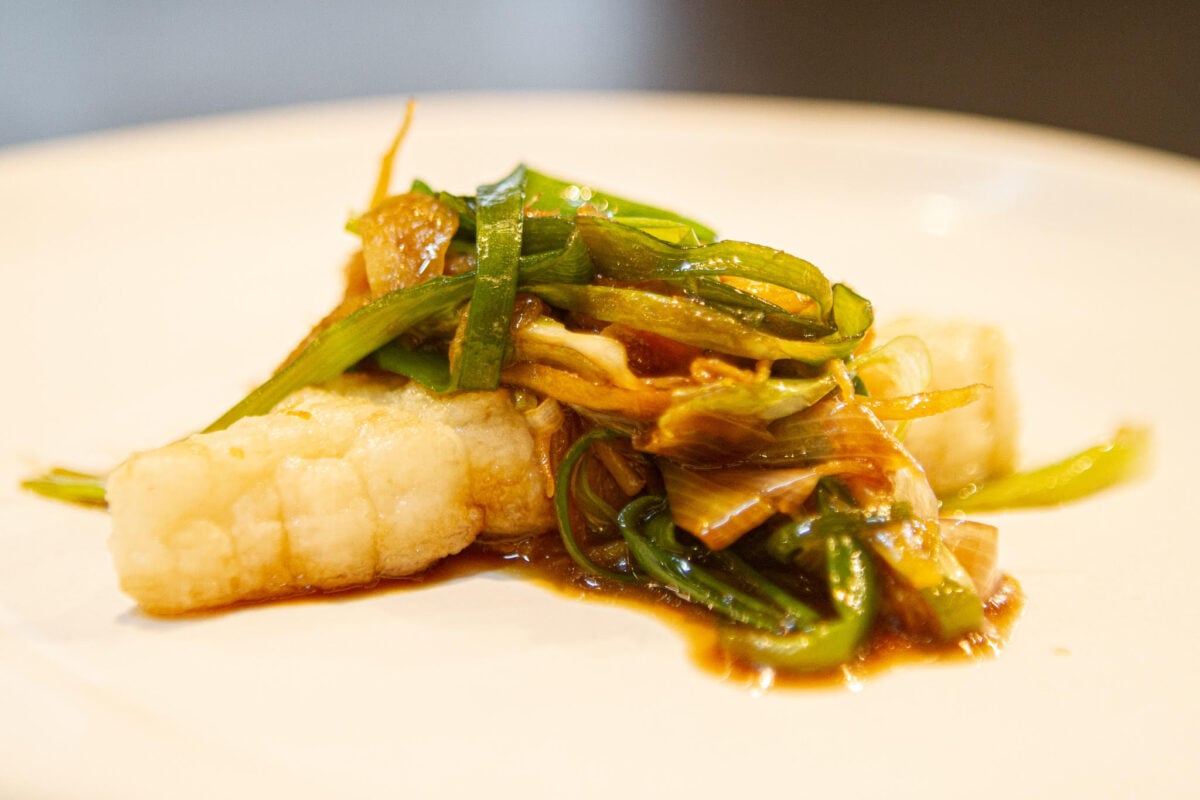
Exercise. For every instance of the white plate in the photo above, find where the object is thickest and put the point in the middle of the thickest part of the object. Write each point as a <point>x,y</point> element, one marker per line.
<point>151,276</point>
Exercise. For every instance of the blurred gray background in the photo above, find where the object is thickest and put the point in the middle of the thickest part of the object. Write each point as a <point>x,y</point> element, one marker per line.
<point>1129,70</point>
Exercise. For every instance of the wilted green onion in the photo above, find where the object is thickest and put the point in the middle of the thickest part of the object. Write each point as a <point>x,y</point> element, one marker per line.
<point>830,643</point>
<point>548,194</point>
<point>570,264</point>
<point>346,342</point>
<point>562,504</point>
<point>69,486</point>
<point>800,613</point>
<point>540,234</point>
<point>956,608</point>
<point>676,233</point>
<point>648,531</point>
<point>724,422</point>
<point>498,244</point>
<point>624,253</point>
<point>753,310</point>
<point>692,322</point>
<point>430,368</point>
<point>1084,473</point>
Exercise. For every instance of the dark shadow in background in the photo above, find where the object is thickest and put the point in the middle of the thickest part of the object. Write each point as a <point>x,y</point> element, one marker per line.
<point>1129,70</point>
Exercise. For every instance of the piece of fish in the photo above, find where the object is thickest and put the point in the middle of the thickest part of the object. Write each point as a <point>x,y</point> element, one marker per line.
<point>339,486</point>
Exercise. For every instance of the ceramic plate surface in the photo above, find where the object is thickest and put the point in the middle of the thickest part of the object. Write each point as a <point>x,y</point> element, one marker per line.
<point>151,276</point>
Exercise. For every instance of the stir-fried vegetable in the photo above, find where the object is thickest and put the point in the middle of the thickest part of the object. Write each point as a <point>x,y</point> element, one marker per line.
<point>701,404</point>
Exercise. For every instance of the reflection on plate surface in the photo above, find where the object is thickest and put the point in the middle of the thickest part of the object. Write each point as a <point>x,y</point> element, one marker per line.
<point>155,274</point>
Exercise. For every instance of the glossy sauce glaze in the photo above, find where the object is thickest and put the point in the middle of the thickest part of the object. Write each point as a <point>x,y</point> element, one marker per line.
<point>543,560</point>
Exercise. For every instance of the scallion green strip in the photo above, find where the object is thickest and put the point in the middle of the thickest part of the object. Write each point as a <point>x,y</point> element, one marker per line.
<point>539,234</point>
<point>422,187</point>
<point>498,245</point>
<point>596,510</point>
<point>800,612</point>
<point>661,532</point>
<point>1079,475</point>
<point>69,486</point>
<point>570,264</point>
<point>754,311</point>
<point>627,254</point>
<point>638,522</point>
<point>956,606</point>
<point>427,367</point>
<point>677,233</point>
<point>548,194</point>
<point>830,643</point>
<point>346,342</point>
<point>693,322</point>
<point>562,504</point>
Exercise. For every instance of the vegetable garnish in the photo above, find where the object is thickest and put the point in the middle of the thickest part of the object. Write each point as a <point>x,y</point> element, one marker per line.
<point>707,421</point>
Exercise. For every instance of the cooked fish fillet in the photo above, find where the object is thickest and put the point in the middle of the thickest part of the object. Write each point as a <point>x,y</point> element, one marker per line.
<point>976,442</point>
<point>340,485</point>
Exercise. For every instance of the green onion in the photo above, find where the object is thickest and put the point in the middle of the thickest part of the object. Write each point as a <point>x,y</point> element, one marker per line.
<point>648,531</point>
<point>430,368</point>
<point>562,504</point>
<point>69,486</point>
<point>956,607</point>
<point>346,342</point>
<point>539,234</point>
<point>422,187</point>
<point>925,568</point>
<point>557,196</point>
<point>827,644</point>
<point>853,316</point>
<point>725,421</point>
<point>1122,458</point>
<point>463,206</point>
<point>625,253</point>
<point>752,310</point>
<point>692,322</point>
<point>568,264</point>
<point>498,244</point>
<point>800,613</point>
<point>676,233</point>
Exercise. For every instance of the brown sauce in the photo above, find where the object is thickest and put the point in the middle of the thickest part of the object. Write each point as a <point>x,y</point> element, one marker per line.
<point>544,561</point>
